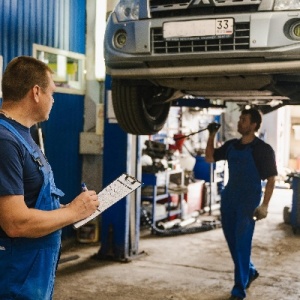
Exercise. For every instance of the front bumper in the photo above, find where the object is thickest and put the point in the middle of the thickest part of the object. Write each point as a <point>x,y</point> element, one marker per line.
<point>281,67</point>
<point>269,50</point>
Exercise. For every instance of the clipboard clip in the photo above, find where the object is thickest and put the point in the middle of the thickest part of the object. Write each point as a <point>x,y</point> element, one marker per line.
<point>130,179</point>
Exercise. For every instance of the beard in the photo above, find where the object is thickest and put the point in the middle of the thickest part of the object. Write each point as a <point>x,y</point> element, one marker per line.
<point>243,131</point>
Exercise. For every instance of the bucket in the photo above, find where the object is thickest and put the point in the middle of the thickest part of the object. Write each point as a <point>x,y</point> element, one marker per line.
<point>202,169</point>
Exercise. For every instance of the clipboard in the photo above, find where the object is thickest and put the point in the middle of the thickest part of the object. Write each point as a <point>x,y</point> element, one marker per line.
<point>115,191</point>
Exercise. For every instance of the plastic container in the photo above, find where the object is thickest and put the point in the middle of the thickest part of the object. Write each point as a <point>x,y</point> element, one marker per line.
<point>202,169</point>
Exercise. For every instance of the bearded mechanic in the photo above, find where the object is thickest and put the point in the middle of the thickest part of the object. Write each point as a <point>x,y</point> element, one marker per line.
<point>31,216</point>
<point>250,160</point>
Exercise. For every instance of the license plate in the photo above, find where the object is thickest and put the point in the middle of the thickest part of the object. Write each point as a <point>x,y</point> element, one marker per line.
<point>198,29</point>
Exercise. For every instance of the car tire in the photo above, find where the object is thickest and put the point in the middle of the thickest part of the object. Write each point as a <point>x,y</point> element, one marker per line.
<point>139,106</point>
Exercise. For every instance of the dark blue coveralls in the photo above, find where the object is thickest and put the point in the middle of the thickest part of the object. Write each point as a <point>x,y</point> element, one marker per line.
<point>29,264</point>
<point>239,199</point>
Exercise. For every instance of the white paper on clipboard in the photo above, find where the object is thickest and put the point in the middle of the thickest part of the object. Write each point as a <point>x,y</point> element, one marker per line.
<point>115,191</point>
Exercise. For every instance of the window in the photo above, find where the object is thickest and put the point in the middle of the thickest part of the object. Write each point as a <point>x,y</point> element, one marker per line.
<point>68,68</point>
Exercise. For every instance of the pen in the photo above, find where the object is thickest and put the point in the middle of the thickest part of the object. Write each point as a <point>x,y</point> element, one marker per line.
<point>83,187</point>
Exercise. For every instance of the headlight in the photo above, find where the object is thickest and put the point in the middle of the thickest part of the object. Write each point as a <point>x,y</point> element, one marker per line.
<point>286,4</point>
<point>127,10</point>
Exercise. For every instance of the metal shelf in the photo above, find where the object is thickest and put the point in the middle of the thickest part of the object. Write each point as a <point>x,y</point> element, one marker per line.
<point>163,179</point>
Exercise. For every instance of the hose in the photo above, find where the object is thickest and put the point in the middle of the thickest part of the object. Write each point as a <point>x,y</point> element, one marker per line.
<point>175,231</point>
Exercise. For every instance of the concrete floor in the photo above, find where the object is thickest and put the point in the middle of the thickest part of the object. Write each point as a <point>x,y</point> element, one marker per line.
<point>188,267</point>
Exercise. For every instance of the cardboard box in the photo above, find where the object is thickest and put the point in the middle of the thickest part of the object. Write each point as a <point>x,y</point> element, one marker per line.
<point>194,196</point>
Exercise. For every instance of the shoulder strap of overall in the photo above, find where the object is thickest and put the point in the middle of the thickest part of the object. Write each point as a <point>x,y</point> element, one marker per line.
<point>230,146</point>
<point>32,152</point>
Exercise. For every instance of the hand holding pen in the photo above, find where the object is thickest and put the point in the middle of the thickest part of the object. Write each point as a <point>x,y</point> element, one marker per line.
<point>85,204</point>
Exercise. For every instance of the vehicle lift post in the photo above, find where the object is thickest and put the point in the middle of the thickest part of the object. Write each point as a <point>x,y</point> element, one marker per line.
<point>120,224</point>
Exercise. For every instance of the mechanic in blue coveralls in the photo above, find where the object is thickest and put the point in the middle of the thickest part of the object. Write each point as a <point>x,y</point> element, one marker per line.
<point>250,160</point>
<point>31,216</point>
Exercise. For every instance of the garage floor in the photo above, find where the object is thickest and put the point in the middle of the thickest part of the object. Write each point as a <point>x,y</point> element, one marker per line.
<point>188,267</point>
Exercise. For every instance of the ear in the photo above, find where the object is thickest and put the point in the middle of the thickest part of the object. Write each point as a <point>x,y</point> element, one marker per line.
<point>36,92</point>
<point>253,126</point>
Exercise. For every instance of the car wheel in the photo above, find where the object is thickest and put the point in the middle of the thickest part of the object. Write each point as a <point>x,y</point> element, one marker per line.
<point>139,107</point>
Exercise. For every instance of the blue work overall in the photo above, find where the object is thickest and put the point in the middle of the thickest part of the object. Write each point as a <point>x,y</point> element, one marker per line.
<point>28,265</point>
<point>240,197</point>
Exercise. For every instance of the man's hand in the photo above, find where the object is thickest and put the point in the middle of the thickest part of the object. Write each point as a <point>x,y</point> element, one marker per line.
<point>213,127</point>
<point>260,212</point>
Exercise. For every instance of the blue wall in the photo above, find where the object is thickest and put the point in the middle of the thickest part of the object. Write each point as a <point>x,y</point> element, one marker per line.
<point>59,24</point>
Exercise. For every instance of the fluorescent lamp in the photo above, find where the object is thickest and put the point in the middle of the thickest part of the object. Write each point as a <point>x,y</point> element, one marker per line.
<point>101,8</point>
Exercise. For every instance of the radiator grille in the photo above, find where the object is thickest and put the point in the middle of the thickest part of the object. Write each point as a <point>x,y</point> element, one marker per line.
<point>239,41</point>
<point>185,8</point>
<point>160,4</point>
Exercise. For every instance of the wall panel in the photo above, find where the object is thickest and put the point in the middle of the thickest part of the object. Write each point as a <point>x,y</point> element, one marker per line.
<point>54,23</point>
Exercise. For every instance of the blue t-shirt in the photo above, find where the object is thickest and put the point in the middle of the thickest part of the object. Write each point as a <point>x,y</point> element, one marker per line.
<point>263,155</point>
<point>19,173</point>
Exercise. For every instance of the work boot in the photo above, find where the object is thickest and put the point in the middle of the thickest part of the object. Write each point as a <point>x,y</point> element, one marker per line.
<point>251,279</point>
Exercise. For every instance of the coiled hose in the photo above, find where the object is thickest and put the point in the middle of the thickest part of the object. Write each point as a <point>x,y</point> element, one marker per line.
<point>175,231</point>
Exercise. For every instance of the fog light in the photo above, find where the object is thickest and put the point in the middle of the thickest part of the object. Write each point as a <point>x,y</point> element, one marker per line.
<point>295,31</point>
<point>120,39</point>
